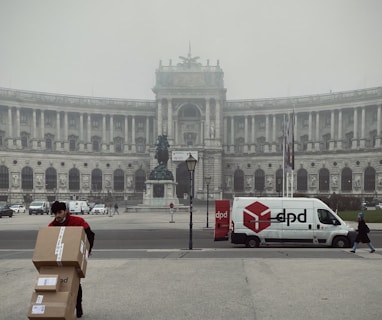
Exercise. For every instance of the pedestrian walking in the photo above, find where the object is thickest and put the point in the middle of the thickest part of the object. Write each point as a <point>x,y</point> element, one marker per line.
<point>116,208</point>
<point>362,235</point>
<point>62,218</point>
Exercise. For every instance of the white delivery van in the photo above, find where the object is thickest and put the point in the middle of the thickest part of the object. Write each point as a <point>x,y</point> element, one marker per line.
<point>78,207</point>
<point>39,207</point>
<point>258,221</point>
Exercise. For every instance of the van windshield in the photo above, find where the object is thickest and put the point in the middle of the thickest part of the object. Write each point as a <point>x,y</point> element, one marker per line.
<point>37,203</point>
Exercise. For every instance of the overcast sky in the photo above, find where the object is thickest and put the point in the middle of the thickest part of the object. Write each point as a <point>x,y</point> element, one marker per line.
<point>266,48</point>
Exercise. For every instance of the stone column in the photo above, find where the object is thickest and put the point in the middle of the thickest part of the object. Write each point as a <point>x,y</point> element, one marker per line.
<point>169,122</point>
<point>274,142</point>
<point>362,141</point>
<point>81,143</point>
<point>317,137</point>
<point>217,120</point>
<point>111,144</point>
<point>89,137</point>
<point>266,145</point>
<point>355,131</point>
<point>66,141</point>
<point>134,149</point>
<point>310,138</point>
<point>232,144</point>
<point>18,133</point>
<point>126,144</point>
<point>58,131</point>
<point>225,134</point>
<point>208,119</point>
<point>148,133</point>
<point>33,127</point>
<point>160,119</point>
<point>253,139</point>
<point>245,134</point>
<point>332,140</point>
<point>104,135</point>
<point>42,140</point>
<point>10,131</point>
<point>378,138</point>
<point>339,138</point>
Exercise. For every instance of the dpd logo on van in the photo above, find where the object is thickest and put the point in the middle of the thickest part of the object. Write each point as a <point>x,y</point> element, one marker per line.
<point>257,216</point>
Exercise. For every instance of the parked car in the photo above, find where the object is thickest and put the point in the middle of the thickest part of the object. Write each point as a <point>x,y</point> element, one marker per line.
<point>378,206</point>
<point>99,208</point>
<point>18,208</point>
<point>39,207</point>
<point>5,210</point>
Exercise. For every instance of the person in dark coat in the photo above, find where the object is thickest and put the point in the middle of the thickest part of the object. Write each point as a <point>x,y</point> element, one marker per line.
<point>362,236</point>
<point>63,219</point>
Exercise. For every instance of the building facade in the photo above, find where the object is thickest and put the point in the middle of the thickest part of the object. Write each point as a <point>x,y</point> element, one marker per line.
<point>56,146</point>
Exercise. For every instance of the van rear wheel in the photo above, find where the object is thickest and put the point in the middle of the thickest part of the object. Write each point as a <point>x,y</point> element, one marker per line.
<point>252,242</point>
<point>341,242</point>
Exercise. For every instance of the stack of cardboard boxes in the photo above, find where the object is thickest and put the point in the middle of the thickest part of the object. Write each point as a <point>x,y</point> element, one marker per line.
<point>60,256</point>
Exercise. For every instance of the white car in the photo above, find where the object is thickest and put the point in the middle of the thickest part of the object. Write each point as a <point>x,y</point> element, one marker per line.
<point>18,208</point>
<point>99,208</point>
<point>378,206</point>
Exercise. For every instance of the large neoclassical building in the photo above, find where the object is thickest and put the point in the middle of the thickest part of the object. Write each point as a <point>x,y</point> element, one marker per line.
<point>54,145</point>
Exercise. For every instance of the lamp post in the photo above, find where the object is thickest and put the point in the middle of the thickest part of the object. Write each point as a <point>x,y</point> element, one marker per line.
<point>191,164</point>
<point>208,181</point>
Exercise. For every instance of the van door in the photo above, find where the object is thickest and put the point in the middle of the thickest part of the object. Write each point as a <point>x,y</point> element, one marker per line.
<point>298,222</point>
<point>325,224</point>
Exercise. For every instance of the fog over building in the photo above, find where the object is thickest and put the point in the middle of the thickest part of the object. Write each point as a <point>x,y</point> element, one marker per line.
<point>54,145</point>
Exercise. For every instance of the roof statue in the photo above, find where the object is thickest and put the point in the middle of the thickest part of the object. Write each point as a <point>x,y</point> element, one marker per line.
<point>189,61</point>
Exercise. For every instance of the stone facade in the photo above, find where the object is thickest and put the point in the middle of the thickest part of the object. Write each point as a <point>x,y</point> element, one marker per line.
<point>59,145</point>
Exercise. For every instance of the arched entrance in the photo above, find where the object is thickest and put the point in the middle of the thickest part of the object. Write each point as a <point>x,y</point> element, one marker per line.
<point>183,180</point>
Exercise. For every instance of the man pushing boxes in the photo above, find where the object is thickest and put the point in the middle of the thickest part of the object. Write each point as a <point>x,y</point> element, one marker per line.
<point>60,255</point>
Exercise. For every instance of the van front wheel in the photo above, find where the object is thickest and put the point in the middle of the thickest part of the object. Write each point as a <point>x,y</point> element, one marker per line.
<point>252,242</point>
<point>341,242</point>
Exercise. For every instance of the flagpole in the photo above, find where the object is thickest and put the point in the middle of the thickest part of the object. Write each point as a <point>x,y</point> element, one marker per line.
<point>284,145</point>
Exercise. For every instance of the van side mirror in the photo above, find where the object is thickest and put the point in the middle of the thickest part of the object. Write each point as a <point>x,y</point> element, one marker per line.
<point>336,222</point>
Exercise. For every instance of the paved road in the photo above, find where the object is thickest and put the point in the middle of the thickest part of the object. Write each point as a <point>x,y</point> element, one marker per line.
<point>173,284</point>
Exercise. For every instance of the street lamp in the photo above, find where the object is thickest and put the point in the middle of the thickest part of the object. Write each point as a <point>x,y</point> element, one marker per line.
<point>208,181</point>
<point>191,164</point>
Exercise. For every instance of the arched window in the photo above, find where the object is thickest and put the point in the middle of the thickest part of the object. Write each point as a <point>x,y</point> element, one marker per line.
<point>140,178</point>
<point>259,180</point>
<point>74,179</point>
<point>27,178</point>
<point>369,179</point>
<point>119,180</point>
<point>323,180</point>
<point>4,177</point>
<point>50,178</point>
<point>238,181</point>
<point>346,179</point>
<point>97,180</point>
<point>302,180</point>
<point>183,180</point>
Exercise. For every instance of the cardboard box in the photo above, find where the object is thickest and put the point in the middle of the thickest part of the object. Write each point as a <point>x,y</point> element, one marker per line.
<point>51,305</point>
<point>68,278</point>
<point>47,282</point>
<point>62,246</point>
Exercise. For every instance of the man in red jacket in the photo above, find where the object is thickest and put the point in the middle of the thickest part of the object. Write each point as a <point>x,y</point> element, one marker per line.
<point>63,219</point>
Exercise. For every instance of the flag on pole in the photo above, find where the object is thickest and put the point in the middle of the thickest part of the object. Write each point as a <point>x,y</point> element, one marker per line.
<point>289,143</point>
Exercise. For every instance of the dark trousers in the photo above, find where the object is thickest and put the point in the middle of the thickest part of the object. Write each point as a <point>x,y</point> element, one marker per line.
<point>79,298</point>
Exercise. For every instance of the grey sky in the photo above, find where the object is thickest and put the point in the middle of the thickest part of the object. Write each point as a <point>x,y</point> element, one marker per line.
<point>266,48</point>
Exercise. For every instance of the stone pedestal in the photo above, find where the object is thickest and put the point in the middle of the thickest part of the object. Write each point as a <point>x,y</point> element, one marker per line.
<point>160,193</point>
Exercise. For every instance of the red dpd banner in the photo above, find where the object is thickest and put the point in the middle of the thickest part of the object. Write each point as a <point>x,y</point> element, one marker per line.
<point>222,219</point>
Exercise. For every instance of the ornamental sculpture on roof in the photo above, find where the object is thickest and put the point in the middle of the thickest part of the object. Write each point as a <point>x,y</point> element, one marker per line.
<point>189,61</point>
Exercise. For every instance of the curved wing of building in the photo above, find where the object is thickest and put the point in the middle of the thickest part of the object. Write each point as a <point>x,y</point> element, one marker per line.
<point>63,146</point>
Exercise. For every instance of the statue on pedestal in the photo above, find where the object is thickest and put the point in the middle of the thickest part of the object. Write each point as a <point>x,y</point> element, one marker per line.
<point>161,172</point>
